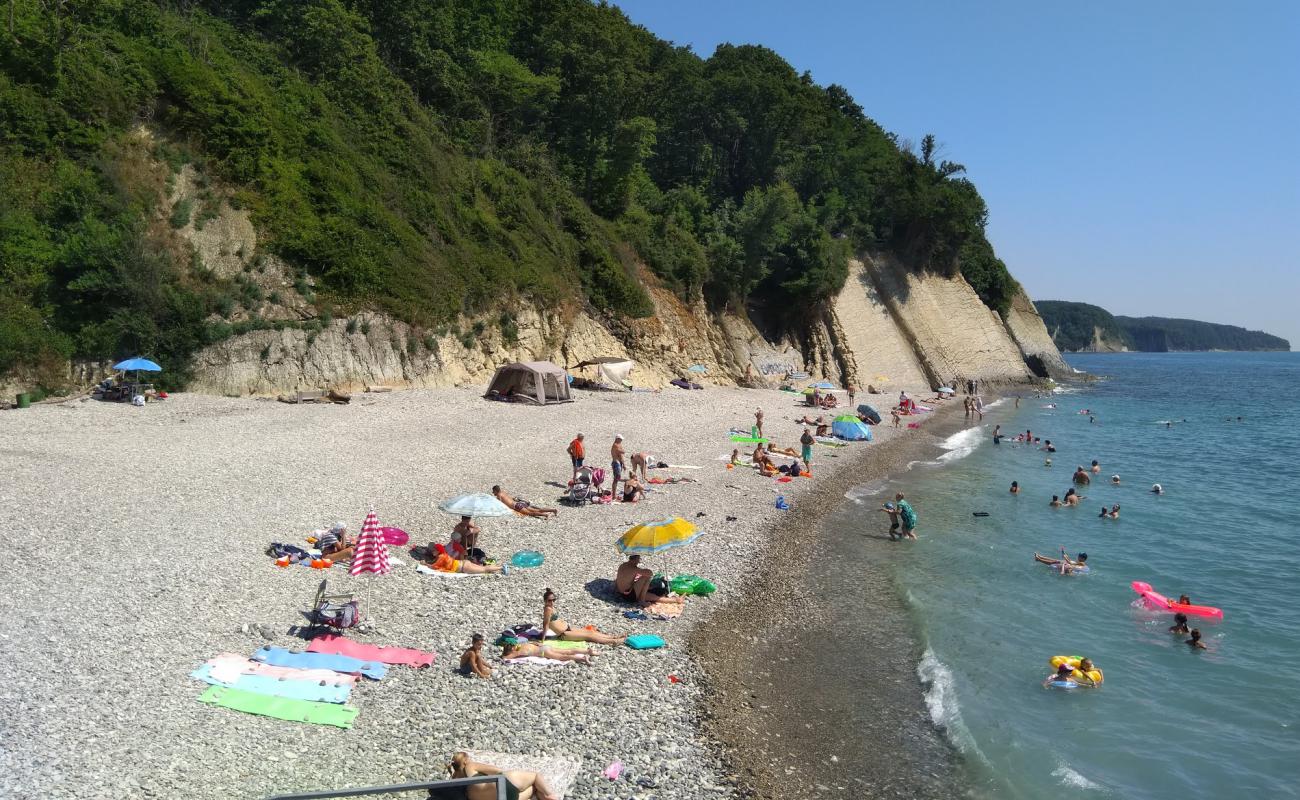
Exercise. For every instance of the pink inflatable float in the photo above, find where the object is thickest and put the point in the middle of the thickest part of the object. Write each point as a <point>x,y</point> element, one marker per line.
<point>1159,602</point>
<point>395,536</point>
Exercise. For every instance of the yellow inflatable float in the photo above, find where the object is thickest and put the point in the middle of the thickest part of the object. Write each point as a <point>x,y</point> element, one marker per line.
<point>1073,662</point>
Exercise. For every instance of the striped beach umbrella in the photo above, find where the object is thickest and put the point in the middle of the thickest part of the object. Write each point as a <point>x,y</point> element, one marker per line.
<point>371,553</point>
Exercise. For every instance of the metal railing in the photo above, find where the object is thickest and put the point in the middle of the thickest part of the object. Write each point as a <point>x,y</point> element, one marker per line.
<point>499,780</point>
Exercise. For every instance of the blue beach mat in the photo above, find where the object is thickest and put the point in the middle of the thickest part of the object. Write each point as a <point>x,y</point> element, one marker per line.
<point>280,657</point>
<point>280,687</point>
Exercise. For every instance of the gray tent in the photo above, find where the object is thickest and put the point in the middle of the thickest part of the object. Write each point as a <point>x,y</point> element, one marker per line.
<point>539,382</point>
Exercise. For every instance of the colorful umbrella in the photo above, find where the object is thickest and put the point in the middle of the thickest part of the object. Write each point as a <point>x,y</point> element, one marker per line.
<point>475,505</point>
<point>371,552</point>
<point>656,537</point>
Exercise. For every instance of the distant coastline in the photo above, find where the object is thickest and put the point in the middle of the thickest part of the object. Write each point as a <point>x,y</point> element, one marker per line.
<point>1085,328</point>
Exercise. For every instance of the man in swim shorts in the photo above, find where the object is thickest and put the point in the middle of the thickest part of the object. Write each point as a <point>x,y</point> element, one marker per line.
<point>1081,476</point>
<point>892,511</point>
<point>616,454</point>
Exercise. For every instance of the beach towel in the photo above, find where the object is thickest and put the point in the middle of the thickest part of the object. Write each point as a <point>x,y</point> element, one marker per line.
<point>537,661</point>
<point>560,772</point>
<point>279,687</point>
<point>280,707</point>
<point>645,641</point>
<point>339,646</point>
<point>278,656</point>
<point>227,667</point>
<point>427,570</point>
<point>561,644</point>
<point>669,610</point>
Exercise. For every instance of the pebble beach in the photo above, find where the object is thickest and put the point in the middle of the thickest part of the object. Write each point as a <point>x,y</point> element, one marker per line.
<point>137,551</point>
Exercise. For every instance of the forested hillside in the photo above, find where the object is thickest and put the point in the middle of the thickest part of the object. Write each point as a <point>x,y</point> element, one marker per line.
<point>1162,334</point>
<point>1080,326</point>
<point>431,160</point>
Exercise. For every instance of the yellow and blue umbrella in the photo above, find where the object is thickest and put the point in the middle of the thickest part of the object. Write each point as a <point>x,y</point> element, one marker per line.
<point>656,537</point>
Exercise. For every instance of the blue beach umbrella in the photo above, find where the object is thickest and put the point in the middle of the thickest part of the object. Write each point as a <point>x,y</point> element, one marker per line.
<point>821,385</point>
<point>698,368</point>
<point>138,364</point>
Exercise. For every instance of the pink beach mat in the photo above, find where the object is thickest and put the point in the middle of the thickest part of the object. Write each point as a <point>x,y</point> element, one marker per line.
<point>339,646</point>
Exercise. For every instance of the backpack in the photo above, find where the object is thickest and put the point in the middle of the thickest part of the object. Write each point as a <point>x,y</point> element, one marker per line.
<point>659,585</point>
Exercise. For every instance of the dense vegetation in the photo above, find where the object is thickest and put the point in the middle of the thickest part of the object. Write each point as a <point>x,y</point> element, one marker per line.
<point>1161,334</point>
<point>434,158</point>
<point>1072,326</point>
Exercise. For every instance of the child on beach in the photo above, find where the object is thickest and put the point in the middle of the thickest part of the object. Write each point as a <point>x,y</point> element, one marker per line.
<point>472,661</point>
<point>894,413</point>
<point>892,511</point>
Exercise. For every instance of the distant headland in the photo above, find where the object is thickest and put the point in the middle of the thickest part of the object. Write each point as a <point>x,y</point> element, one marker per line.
<point>1081,327</point>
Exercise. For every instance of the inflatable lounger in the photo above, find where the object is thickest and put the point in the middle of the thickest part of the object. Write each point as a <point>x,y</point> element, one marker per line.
<point>1159,602</point>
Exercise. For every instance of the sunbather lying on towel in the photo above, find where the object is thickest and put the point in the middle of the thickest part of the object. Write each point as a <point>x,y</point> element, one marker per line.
<point>442,562</point>
<point>472,661</point>
<point>334,544</point>
<point>521,784</point>
<point>512,648</point>
<point>632,582</point>
<point>552,624</point>
<point>672,479</point>
<point>522,506</point>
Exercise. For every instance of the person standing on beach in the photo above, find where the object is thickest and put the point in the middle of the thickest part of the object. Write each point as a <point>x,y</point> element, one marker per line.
<point>853,391</point>
<point>1017,401</point>
<point>758,421</point>
<point>577,453</point>
<point>966,405</point>
<point>977,403</point>
<point>897,420</point>
<point>806,440</point>
<point>908,516</point>
<point>616,463</point>
<point>997,434</point>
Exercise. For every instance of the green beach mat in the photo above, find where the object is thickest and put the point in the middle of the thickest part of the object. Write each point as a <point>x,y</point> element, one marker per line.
<point>749,440</point>
<point>280,707</point>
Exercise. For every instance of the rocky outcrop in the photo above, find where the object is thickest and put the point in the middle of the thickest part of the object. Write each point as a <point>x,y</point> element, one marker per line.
<point>1026,327</point>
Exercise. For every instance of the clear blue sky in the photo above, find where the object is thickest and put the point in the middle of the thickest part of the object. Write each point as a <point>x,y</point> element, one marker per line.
<point>1140,155</point>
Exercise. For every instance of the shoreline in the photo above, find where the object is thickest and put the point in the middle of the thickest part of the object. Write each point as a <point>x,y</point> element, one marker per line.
<point>763,686</point>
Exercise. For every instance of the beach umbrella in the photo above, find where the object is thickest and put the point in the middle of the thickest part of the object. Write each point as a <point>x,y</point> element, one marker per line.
<point>476,504</point>
<point>137,365</point>
<point>370,554</point>
<point>947,389</point>
<point>655,537</point>
<point>698,368</point>
<point>821,385</point>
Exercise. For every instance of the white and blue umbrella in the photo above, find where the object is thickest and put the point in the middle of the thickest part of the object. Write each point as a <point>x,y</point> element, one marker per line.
<point>821,385</point>
<point>475,505</point>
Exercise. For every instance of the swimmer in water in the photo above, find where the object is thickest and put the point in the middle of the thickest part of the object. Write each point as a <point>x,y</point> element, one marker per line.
<point>1184,600</point>
<point>1063,564</point>
<point>1157,489</point>
<point>1195,642</point>
<point>1114,511</point>
<point>1056,502</point>
<point>1096,467</point>
<point>1114,480</point>
<point>1105,512</point>
<point>1180,625</point>
<point>1063,673</point>
<point>1086,666</point>
<point>1015,487</point>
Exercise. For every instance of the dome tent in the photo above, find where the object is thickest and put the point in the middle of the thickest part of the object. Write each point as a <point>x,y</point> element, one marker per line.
<point>538,382</point>
<point>851,428</point>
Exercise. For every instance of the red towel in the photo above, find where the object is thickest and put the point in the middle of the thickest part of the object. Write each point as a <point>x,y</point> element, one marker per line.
<point>339,646</point>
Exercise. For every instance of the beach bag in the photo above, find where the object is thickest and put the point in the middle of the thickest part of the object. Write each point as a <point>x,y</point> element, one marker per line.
<point>338,615</point>
<point>645,641</point>
<point>659,585</point>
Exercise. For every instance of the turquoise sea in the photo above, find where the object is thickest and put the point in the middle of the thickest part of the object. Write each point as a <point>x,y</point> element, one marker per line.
<point>1169,722</point>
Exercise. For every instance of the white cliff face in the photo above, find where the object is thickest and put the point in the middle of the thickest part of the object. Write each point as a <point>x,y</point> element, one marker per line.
<point>1030,334</point>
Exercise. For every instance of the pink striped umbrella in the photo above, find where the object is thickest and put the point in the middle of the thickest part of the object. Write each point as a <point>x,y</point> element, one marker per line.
<point>371,554</point>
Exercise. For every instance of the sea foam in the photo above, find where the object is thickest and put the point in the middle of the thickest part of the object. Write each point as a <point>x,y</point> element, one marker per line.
<point>961,444</point>
<point>1069,777</point>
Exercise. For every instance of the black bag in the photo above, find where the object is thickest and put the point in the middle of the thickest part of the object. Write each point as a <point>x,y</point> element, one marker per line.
<point>659,585</point>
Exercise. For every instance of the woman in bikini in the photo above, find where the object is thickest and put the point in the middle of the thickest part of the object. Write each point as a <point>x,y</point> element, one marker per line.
<point>553,625</point>
<point>512,648</point>
<point>520,784</point>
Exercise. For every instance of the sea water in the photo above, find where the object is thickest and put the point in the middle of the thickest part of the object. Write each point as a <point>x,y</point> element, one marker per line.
<point>1169,721</point>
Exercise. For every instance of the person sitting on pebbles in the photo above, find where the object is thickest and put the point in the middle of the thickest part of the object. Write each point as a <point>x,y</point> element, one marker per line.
<point>522,506</point>
<point>472,661</point>
<point>632,582</point>
<point>633,491</point>
<point>552,625</point>
<point>333,543</point>
<point>513,647</point>
<point>520,784</point>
